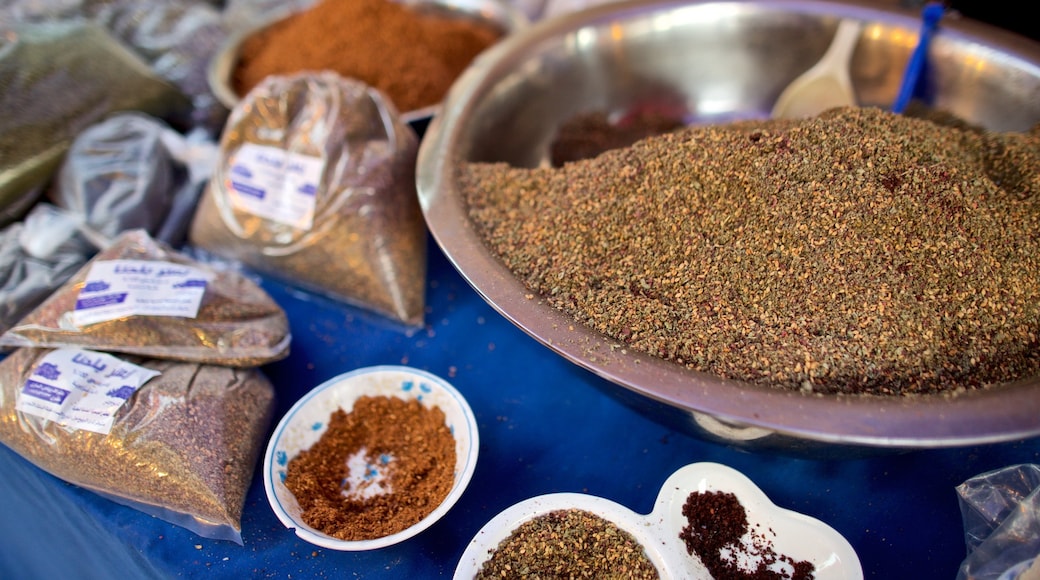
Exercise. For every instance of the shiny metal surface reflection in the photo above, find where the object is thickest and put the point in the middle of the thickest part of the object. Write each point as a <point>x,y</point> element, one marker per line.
<point>719,61</point>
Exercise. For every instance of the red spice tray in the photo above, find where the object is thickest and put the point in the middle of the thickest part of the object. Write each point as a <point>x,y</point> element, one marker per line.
<point>782,540</point>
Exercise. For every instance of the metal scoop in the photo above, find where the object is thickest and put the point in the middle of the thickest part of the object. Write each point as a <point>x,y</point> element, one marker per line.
<point>827,83</point>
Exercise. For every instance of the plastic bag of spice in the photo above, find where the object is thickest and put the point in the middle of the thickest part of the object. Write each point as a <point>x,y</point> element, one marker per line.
<point>139,296</point>
<point>176,440</point>
<point>56,79</point>
<point>316,185</point>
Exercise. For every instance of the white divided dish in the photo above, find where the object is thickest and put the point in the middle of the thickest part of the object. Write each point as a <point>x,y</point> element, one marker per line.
<point>303,425</point>
<point>789,533</point>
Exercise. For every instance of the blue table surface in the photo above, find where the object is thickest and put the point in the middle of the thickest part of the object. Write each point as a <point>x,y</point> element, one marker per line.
<point>546,426</point>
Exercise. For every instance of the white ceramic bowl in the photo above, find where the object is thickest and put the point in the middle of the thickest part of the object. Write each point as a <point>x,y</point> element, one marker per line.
<point>791,534</point>
<point>306,421</point>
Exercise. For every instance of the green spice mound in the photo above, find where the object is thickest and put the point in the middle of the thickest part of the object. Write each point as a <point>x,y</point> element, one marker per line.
<point>857,252</point>
<point>568,543</point>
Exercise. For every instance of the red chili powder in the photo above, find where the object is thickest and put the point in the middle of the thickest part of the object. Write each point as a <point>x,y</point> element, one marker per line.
<point>413,57</point>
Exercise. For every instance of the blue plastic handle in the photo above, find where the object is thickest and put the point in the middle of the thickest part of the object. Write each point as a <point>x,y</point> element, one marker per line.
<point>933,12</point>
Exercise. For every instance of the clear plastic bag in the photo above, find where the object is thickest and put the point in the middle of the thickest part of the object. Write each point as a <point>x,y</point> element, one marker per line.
<point>56,79</point>
<point>136,297</point>
<point>183,447</point>
<point>1001,514</point>
<point>132,171</point>
<point>315,185</point>
<point>37,256</point>
<point>177,38</point>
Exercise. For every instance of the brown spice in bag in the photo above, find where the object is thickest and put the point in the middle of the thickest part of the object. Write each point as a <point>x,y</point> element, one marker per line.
<point>421,468</point>
<point>367,243</point>
<point>184,447</point>
<point>237,323</point>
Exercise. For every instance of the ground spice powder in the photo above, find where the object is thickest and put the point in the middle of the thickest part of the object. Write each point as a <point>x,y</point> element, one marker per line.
<point>570,543</point>
<point>413,57</point>
<point>716,526</point>
<point>857,252</point>
<point>411,439</point>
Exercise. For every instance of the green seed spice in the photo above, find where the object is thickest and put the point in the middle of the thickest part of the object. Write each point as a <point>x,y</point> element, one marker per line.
<point>568,543</point>
<point>856,252</point>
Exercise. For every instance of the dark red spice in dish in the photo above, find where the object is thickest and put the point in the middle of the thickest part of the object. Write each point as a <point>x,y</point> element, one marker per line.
<point>716,525</point>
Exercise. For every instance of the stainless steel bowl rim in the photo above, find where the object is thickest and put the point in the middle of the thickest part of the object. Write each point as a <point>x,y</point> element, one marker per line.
<point>1005,413</point>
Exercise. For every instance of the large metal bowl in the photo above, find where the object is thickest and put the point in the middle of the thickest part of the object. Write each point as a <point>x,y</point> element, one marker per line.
<point>725,60</point>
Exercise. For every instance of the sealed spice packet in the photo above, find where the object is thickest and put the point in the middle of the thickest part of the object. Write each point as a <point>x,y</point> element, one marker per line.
<point>140,296</point>
<point>176,440</point>
<point>56,78</point>
<point>316,186</point>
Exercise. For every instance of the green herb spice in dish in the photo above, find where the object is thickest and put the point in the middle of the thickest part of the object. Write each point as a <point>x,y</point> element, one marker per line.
<point>857,252</point>
<point>568,543</point>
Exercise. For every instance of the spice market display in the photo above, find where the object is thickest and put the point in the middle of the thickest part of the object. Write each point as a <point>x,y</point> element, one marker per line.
<point>177,273</point>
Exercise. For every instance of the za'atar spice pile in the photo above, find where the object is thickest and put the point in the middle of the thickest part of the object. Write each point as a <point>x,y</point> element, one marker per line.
<point>568,543</point>
<point>857,252</point>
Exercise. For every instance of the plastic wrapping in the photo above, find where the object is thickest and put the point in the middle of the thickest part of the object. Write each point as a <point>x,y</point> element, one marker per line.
<point>182,448</point>
<point>244,15</point>
<point>129,171</point>
<point>1001,514</point>
<point>56,79</point>
<point>316,185</point>
<point>111,304</point>
<point>132,171</point>
<point>37,256</point>
<point>177,38</point>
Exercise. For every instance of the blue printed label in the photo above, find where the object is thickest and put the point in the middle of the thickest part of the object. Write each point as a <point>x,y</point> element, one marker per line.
<point>119,288</point>
<point>275,184</point>
<point>81,389</point>
<point>44,392</point>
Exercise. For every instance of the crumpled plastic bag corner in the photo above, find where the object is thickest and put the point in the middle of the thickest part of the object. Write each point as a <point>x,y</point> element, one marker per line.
<point>1001,514</point>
